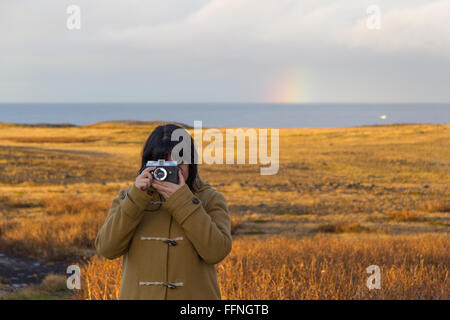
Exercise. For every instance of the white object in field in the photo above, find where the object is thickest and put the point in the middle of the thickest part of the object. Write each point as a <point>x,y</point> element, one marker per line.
<point>383,117</point>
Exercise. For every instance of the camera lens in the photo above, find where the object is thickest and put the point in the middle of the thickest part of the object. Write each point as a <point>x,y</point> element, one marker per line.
<point>160,174</point>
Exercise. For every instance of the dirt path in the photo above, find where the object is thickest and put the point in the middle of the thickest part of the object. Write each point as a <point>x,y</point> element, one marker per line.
<point>18,272</point>
<point>32,148</point>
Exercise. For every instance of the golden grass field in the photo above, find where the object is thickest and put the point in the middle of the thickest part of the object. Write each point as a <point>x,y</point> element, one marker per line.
<point>342,200</point>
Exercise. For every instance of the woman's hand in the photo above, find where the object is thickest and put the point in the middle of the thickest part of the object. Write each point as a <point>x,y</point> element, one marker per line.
<point>166,189</point>
<point>145,179</point>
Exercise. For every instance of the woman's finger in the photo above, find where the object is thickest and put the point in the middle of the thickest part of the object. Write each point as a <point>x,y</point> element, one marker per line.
<point>160,189</point>
<point>146,170</point>
<point>159,186</point>
<point>165,185</point>
<point>156,185</point>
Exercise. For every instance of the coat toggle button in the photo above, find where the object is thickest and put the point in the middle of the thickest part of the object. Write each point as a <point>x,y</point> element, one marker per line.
<point>171,242</point>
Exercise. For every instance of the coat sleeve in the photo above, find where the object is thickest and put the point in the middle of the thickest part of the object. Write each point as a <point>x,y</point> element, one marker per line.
<point>209,229</point>
<point>124,216</point>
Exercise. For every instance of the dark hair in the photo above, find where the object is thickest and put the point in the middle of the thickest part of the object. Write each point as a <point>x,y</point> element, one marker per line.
<point>159,145</point>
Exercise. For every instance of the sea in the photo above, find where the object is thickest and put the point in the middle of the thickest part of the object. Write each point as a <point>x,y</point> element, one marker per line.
<point>237,115</point>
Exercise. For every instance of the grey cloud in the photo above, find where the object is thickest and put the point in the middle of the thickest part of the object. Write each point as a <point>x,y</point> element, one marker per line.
<point>223,50</point>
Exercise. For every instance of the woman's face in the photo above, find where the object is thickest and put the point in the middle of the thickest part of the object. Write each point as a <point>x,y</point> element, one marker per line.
<point>184,168</point>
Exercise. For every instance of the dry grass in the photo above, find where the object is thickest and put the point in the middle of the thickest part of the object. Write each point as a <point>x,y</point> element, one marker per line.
<point>53,287</point>
<point>342,227</point>
<point>54,282</point>
<point>236,223</point>
<point>61,205</point>
<point>8,203</point>
<point>58,182</point>
<point>51,139</point>
<point>100,279</point>
<point>404,215</point>
<point>441,205</point>
<point>319,267</point>
<point>66,227</point>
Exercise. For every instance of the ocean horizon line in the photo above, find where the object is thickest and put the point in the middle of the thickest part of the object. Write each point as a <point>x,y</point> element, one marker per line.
<point>143,123</point>
<point>232,115</point>
<point>228,102</point>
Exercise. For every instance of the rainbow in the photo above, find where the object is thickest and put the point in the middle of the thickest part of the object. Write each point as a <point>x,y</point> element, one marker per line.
<point>288,87</point>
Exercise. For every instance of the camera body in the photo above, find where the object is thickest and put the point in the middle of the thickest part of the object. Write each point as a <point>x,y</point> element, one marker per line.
<point>164,171</point>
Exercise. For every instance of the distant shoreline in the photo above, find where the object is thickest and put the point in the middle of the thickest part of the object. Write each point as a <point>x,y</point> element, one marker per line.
<point>223,115</point>
<point>135,123</point>
<point>131,123</point>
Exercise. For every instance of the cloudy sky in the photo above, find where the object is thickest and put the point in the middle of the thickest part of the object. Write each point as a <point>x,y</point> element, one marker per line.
<point>225,51</point>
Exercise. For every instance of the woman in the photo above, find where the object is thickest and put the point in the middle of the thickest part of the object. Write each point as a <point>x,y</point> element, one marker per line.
<point>170,235</point>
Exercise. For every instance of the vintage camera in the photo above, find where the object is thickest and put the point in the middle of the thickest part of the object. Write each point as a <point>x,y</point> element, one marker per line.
<point>165,170</point>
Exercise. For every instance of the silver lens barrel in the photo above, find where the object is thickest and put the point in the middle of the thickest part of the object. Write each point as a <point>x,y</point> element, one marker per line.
<point>160,174</point>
